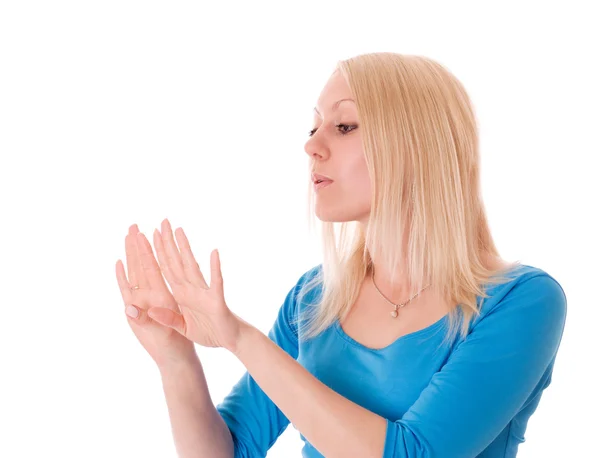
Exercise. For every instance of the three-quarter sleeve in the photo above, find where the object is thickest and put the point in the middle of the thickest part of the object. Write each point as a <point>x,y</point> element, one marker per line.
<point>254,420</point>
<point>488,377</point>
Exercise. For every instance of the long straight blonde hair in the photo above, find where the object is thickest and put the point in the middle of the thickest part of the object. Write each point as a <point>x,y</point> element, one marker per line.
<point>420,142</point>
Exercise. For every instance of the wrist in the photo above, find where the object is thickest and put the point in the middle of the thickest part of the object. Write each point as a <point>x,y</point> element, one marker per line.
<point>177,364</point>
<point>239,343</point>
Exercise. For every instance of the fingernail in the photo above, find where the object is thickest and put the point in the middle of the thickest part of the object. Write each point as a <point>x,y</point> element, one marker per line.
<point>131,311</point>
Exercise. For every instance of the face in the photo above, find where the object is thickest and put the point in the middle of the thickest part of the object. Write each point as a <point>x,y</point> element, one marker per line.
<point>335,150</point>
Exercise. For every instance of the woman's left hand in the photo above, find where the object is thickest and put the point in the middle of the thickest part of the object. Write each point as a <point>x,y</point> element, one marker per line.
<point>205,317</point>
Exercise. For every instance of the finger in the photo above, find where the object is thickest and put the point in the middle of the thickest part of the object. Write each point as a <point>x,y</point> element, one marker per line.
<point>169,318</point>
<point>134,264</point>
<point>162,259</point>
<point>130,255</point>
<point>190,265</point>
<point>150,267</point>
<point>124,285</point>
<point>216,277</point>
<point>173,258</point>
<point>140,315</point>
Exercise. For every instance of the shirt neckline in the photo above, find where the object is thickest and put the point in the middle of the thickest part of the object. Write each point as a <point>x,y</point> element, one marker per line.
<point>419,333</point>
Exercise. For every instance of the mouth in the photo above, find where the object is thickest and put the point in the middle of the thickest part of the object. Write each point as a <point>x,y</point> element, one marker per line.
<point>318,178</point>
<point>319,184</point>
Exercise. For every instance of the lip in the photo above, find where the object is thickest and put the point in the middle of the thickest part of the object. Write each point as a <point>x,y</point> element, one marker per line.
<point>317,176</point>
<point>322,184</point>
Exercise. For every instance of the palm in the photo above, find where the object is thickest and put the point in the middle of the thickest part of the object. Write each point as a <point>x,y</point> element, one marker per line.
<point>163,343</point>
<point>204,316</point>
<point>200,308</point>
<point>154,336</point>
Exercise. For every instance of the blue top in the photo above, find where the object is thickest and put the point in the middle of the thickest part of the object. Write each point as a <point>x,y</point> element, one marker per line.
<point>471,398</point>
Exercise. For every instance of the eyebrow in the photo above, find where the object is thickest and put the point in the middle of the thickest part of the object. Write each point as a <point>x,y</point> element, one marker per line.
<point>335,105</point>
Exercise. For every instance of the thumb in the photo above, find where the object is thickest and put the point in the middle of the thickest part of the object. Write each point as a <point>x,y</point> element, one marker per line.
<point>168,317</point>
<point>216,276</point>
<point>137,314</point>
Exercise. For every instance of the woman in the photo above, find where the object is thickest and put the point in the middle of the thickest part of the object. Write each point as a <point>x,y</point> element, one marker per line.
<point>413,338</point>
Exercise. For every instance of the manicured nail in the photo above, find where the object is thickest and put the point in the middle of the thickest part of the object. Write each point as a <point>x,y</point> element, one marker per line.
<point>131,311</point>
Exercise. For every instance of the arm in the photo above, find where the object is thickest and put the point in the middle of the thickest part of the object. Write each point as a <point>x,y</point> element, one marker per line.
<point>334,425</point>
<point>254,420</point>
<point>198,429</point>
<point>486,380</point>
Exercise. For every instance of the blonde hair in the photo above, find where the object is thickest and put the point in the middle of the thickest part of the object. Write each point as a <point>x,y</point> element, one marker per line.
<point>421,147</point>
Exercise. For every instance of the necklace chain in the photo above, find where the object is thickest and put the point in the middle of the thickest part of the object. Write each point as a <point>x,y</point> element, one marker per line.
<point>394,313</point>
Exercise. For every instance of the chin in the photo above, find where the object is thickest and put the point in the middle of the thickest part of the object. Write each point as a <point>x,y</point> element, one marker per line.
<point>331,219</point>
<point>337,216</point>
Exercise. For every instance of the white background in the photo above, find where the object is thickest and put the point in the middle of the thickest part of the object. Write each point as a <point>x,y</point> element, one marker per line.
<point>121,112</point>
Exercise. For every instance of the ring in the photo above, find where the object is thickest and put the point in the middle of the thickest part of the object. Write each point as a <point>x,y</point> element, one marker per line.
<point>133,288</point>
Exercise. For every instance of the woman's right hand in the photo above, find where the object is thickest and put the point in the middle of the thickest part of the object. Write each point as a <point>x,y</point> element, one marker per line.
<point>165,345</point>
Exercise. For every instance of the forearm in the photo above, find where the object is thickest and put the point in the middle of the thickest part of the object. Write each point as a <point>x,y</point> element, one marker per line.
<point>334,425</point>
<point>198,429</point>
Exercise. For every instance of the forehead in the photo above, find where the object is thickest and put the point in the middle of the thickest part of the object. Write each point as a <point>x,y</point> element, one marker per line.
<point>332,95</point>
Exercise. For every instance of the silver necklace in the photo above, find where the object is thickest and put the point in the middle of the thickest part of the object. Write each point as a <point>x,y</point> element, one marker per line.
<point>394,313</point>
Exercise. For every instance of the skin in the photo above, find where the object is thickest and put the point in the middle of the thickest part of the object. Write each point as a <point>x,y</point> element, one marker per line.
<point>337,152</point>
<point>167,324</point>
<point>164,344</point>
<point>197,427</point>
<point>333,424</point>
<point>197,312</point>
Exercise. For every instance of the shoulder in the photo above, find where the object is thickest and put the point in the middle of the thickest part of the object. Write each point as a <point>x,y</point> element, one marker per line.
<point>525,281</point>
<point>531,294</point>
<point>309,282</point>
<point>303,291</point>
<point>306,291</point>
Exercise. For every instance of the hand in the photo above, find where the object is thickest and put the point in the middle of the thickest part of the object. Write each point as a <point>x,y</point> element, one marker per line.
<point>165,345</point>
<point>205,317</point>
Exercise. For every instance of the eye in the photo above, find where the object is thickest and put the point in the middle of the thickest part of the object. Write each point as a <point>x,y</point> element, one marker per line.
<point>341,127</point>
<point>345,126</point>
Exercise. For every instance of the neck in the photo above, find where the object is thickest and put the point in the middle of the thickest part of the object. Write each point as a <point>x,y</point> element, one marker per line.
<point>397,289</point>
<point>394,285</point>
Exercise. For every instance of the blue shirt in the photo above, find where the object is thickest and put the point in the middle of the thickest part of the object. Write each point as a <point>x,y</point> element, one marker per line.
<point>471,398</point>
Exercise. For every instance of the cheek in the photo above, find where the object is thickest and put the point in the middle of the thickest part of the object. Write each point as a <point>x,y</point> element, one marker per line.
<point>362,190</point>
<point>358,175</point>
<point>356,186</point>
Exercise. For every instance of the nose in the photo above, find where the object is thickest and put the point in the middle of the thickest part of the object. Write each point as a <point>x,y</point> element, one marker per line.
<point>316,149</point>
